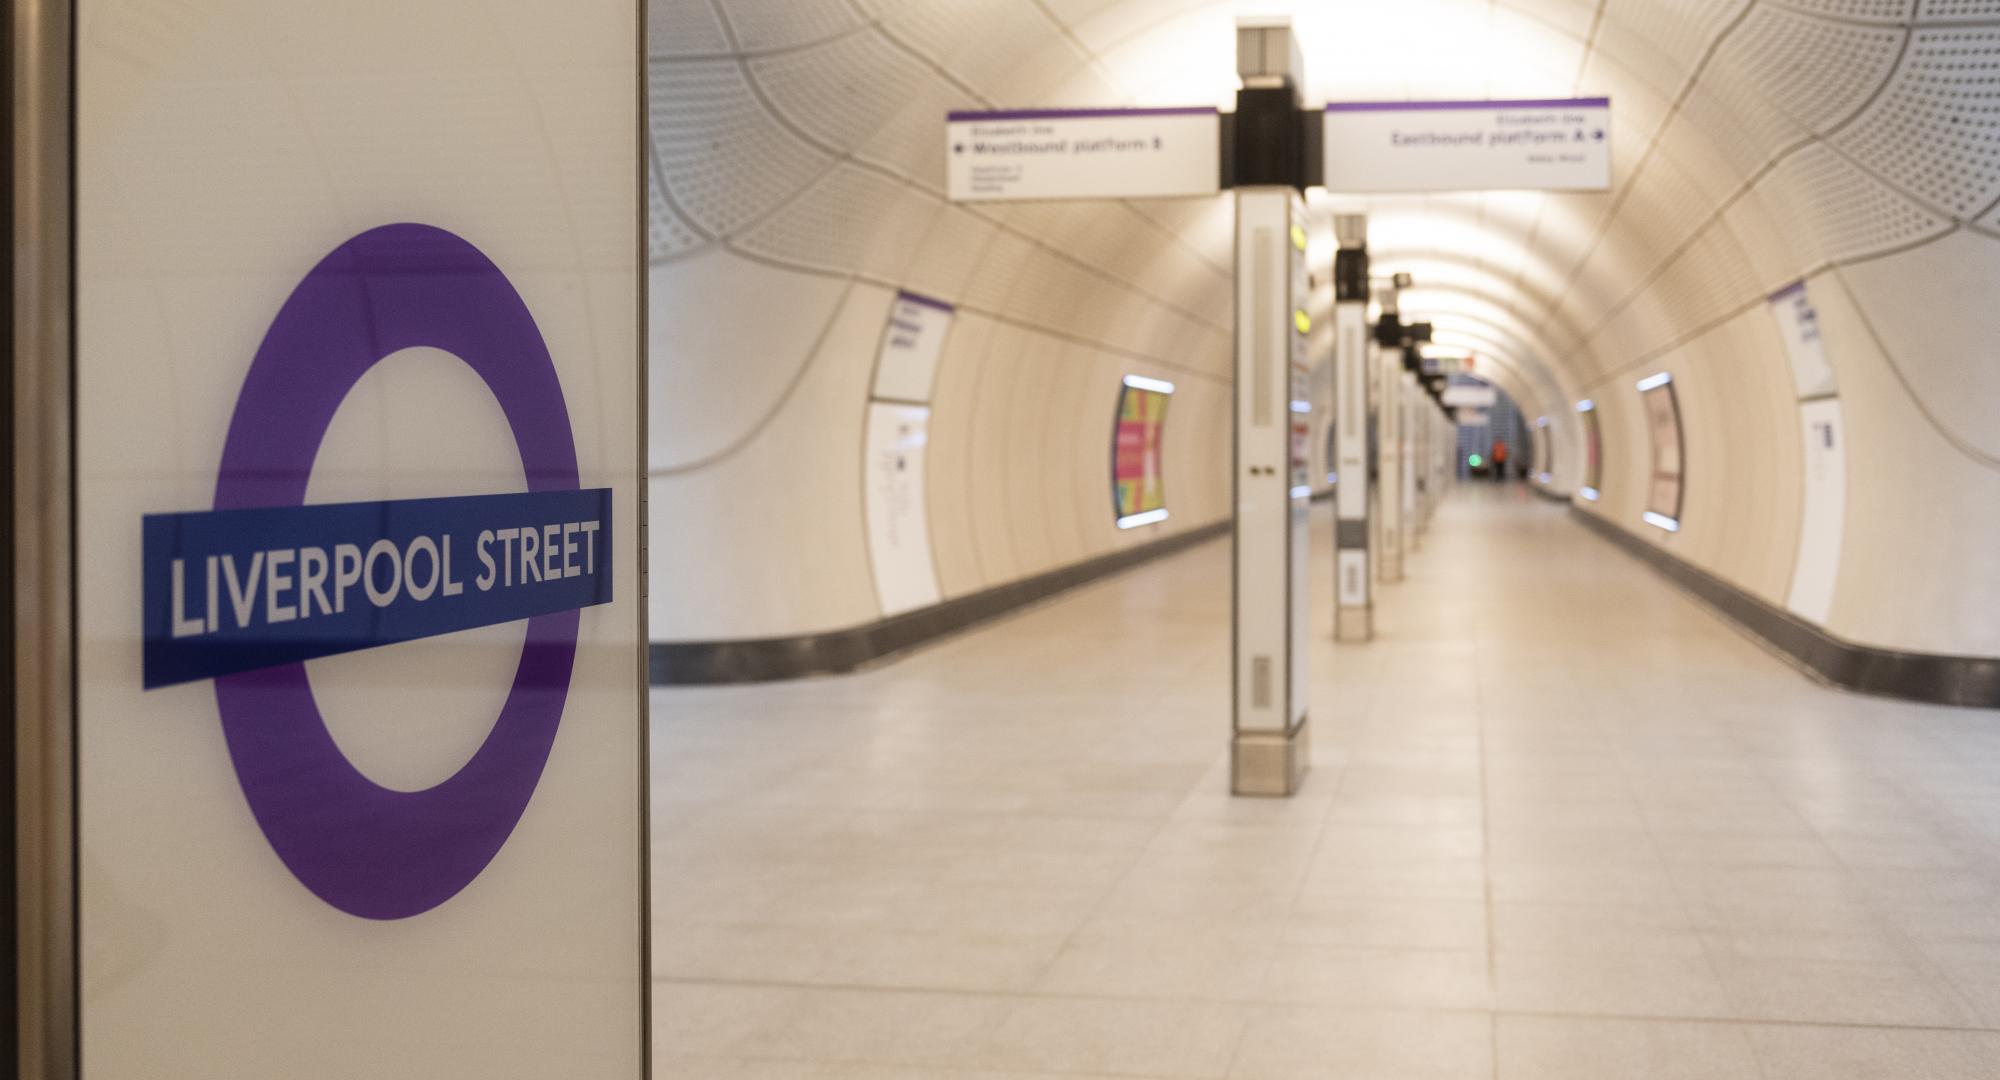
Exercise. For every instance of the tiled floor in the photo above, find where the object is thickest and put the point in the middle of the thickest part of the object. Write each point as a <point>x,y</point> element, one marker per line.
<point>1563,822</point>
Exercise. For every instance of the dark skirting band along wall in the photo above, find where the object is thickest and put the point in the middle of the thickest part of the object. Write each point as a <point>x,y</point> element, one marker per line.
<point>688,663</point>
<point>1923,677</point>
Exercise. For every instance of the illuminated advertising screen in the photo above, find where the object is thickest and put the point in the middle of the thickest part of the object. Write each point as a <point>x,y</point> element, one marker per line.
<point>1663,422</point>
<point>1593,451</point>
<point>1137,486</point>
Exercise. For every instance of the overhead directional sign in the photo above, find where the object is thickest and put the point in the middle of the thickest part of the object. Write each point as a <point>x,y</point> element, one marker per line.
<point>1084,154</point>
<point>1471,397</point>
<point>1552,145</point>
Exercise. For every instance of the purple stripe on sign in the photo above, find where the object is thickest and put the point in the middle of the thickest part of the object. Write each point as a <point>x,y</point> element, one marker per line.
<point>926,301</point>
<point>1077,114</point>
<point>1789,291</point>
<point>1440,106</point>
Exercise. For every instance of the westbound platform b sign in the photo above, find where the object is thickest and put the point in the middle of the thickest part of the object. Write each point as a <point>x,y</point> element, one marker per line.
<point>1083,154</point>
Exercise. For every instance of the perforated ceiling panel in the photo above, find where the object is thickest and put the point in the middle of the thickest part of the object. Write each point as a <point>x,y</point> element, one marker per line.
<point>1814,72</point>
<point>1935,131</point>
<point>1841,210</point>
<point>761,25</point>
<point>1874,10</point>
<point>853,219</point>
<point>1954,10</point>
<point>683,29</point>
<point>891,103</point>
<point>725,159</point>
<point>667,233</point>
<point>1754,140</point>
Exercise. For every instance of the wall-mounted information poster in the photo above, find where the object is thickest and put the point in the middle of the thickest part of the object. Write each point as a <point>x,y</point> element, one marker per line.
<point>1137,485</point>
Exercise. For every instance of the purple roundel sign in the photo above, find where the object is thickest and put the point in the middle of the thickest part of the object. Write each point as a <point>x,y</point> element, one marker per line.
<point>368,850</point>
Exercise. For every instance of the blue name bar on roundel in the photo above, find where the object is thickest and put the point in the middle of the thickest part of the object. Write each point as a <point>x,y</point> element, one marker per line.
<point>228,591</point>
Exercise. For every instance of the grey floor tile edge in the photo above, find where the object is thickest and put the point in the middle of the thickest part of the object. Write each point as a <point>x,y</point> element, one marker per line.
<point>1929,678</point>
<point>710,663</point>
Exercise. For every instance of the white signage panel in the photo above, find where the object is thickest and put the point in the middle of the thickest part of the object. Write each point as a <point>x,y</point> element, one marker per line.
<point>1083,154</point>
<point>1471,397</point>
<point>360,690</point>
<point>1824,520</point>
<point>1546,145</point>
<point>1798,325</point>
<point>911,344</point>
<point>899,538</point>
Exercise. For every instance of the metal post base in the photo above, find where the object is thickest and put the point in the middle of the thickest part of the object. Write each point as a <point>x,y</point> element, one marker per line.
<point>1354,624</point>
<point>1269,765</point>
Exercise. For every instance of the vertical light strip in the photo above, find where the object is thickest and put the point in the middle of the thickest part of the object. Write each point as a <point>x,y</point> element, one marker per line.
<point>1140,382</point>
<point>1262,320</point>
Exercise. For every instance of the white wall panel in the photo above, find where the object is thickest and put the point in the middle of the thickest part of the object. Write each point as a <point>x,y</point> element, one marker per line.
<point>1935,311</point>
<point>1917,569</point>
<point>773,539</point>
<point>698,357</point>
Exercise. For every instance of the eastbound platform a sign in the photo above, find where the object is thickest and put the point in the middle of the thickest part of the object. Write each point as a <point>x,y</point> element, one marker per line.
<point>1411,146</point>
<point>1083,154</point>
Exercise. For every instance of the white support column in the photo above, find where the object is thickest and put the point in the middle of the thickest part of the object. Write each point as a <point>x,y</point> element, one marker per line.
<point>1389,450</point>
<point>1426,452</point>
<point>1413,409</point>
<point>1273,492</point>
<point>1442,434</point>
<point>1354,574</point>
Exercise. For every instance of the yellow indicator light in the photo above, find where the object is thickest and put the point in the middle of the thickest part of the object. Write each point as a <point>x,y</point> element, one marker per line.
<point>1299,237</point>
<point>1303,321</point>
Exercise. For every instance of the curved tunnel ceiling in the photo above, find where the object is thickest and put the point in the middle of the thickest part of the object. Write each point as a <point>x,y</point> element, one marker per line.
<point>1755,142</point>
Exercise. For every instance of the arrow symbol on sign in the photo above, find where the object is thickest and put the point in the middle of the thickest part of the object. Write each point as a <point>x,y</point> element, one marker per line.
<point>958,148</point>
<point>1599,135</point>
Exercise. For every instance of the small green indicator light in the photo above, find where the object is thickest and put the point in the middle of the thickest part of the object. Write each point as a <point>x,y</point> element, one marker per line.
<point>1475,461</point>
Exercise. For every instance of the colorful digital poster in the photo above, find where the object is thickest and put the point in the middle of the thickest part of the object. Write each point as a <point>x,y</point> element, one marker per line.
<point>1137,483</point>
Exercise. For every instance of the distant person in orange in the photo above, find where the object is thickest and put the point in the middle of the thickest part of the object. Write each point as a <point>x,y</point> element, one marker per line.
<point>1499,461</point>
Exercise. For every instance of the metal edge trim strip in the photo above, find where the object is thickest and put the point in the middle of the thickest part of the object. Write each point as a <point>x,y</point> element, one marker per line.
<point>708,663</point>
<point>1926,678</point>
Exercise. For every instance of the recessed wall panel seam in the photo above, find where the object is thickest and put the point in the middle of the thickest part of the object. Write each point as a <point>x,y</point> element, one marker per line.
<point>667,194</point>
<point>1977,455</point>
<point>750,435</point>
<point>1666,263</point>
<point>778,116</point>
<point>1906,19</point>
<point>1565,322</point>
<point>1096,62</point>
<point>1526,345</point>
<point>866,278</point>
<point>1631,184</point>
<point>847,157</point>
